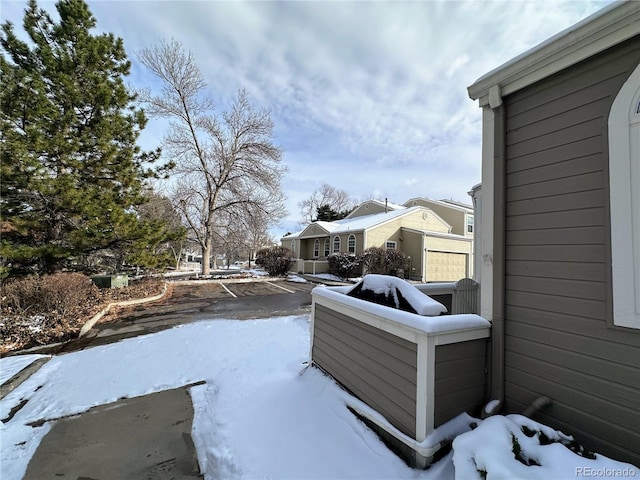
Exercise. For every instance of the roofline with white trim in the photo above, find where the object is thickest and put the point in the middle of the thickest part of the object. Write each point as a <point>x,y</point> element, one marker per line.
<point>442,203</point>
<point>606,28</point>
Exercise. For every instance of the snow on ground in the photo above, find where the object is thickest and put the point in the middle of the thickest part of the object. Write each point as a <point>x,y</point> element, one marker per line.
<point>178,273</point>
<point>257,272</point>
<point>257,416</point>
<point>12,365</point>
<point>490,449</point>
<point>334,278</point>
<point>295,279</point>
<point>327,276</point>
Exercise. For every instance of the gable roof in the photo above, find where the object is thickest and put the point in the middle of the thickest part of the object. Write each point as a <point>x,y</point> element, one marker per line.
<point>379,203</point>
<point>613,24</point>
<point>453,205</point>
<point>365,222</point>
<point>357,224</point>
<point>316,229</point>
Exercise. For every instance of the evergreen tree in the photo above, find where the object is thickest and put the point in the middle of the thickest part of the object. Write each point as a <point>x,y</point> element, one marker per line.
<point>328,214</point>
<point>71,171</point>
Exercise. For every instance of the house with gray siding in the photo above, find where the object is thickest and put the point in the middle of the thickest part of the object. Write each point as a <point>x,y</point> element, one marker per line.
<point>559,251</point>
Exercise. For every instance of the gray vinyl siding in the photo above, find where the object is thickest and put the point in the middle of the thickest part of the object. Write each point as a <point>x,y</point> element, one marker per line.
<point>559,336</point>
<point>377,367</point>
<point>460,379</point>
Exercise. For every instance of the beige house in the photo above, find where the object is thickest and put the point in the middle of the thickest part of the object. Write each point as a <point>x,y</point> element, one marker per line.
<point>456,214</point>
<point>435,253</point>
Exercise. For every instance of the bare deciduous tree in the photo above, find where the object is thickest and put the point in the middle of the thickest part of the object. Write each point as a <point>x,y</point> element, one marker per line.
<point>325,195</point>
<point>242,232</point>
<point>256,231</point>
<point>223,161</point>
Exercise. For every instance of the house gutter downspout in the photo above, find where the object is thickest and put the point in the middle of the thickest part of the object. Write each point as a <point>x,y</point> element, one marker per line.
<point>499,193</point>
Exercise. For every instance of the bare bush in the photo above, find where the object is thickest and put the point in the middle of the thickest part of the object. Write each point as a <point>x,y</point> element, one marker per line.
<point>41,309</point>
<point>55,294</point>
<point>63,292</point>
<point>20,295</point>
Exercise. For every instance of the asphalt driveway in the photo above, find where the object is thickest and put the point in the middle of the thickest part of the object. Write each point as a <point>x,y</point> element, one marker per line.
<point>190,301</point>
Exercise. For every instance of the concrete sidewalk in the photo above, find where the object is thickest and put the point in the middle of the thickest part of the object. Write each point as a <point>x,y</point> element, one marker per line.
<point>141,438</point>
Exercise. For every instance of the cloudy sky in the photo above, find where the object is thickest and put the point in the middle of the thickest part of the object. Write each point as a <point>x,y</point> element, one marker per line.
<point>369,97</point>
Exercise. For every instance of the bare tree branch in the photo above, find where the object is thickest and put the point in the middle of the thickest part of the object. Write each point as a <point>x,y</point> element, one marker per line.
<point>325,195</point>
<point>224,163</point>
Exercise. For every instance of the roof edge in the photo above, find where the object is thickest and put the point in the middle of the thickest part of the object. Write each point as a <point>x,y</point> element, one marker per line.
<point>609,26</point>
<point>458,206</point>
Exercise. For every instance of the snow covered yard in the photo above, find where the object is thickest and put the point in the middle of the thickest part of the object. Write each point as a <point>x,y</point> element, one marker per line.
<point>258,415</point>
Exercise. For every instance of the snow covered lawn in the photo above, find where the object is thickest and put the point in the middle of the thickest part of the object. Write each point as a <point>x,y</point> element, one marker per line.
<point>258,415</point>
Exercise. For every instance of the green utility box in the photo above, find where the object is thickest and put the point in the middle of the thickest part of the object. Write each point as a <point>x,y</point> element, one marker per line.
<point>110,281</point>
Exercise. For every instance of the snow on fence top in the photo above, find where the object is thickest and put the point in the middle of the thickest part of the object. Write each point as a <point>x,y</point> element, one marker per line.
<point>422,323</point>
<point>396,289</point>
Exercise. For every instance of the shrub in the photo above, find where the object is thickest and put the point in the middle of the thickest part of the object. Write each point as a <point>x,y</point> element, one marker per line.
<point>343,265</point>
<point>41,309</point>
<point>277,261</point>
<point>55,294</point>
<point>382,261</point>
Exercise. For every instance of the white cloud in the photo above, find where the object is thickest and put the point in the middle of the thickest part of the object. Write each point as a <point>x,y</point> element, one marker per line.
<point>369,97</point>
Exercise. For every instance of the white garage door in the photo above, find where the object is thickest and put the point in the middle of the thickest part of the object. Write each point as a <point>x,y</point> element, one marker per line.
<point>446,267</point>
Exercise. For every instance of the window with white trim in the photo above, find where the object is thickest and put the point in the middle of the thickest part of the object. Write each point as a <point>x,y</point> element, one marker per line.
<point>327,251</point>
<point>293,247</point>
<point>469,223</point>
<point>316,248</point>
<point>351,244</point>
<point>624,200</point>
<point>390,245</point>
<point>336,244</point>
